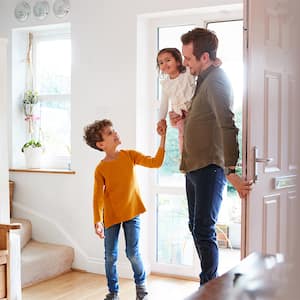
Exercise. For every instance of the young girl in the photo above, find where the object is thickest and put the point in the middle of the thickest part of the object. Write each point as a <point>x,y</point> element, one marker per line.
<point>178,86</point>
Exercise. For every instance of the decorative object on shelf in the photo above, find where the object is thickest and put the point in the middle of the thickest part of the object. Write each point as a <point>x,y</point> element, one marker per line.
<point>33,151</point>
<point>22,11</point>
<point>41,9</point>
<point>61,8</point>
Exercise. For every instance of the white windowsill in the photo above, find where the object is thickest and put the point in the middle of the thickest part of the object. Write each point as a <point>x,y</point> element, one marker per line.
<point>48,171</point>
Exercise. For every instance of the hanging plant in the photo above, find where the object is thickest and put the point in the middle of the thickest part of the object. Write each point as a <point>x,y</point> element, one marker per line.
<point>29,101</point>
<point>30,97</point>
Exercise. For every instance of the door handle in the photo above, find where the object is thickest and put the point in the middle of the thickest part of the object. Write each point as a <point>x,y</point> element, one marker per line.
<point>263,160</point>
<point>258,160</point>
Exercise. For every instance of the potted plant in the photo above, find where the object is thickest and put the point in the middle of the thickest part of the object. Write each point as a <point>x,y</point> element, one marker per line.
<point>33,151</point>
<point>29,102</point>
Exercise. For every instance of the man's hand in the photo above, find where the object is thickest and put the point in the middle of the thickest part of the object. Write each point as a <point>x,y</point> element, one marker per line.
<point>99,229</point>
<point>174,118</point>
<point>242,186</point>
<point>161,127</point>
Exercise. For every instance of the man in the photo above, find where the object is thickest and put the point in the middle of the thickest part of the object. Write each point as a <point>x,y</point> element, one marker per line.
<point>210,147</point>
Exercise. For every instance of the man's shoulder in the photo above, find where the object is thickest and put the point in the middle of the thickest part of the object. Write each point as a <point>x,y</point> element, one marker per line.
<point>217,72</point>
<point>217,77</point>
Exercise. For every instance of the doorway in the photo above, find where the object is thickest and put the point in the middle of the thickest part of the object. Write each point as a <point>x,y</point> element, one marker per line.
<point>174,252</point>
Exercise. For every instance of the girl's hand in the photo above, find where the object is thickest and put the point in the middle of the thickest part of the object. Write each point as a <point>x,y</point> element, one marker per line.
<point>217,62</point>
<point>99,229</point>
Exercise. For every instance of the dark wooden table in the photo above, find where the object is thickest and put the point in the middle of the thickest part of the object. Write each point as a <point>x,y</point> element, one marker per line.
<point>229,285</point>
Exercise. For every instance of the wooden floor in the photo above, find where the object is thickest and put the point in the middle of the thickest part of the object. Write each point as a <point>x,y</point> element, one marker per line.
<point>79,285</point>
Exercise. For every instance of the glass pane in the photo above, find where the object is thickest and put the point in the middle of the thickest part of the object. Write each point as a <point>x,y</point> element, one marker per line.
<point>53,67</point>
<point>169,174</point>
<point>56,126</point>
<point>170,36</point>
<point>174,241</point>
<point>230,51</point>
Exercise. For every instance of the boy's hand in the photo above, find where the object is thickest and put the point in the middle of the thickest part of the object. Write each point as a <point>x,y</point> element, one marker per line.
<point>99,229</point>
<point>161,127</point>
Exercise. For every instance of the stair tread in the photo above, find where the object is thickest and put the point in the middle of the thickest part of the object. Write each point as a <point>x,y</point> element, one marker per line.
<point>41,261</point>
<point>3,252</point>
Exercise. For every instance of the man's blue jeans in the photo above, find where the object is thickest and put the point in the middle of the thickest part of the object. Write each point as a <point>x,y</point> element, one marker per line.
<point>132,234</point>
<point>204,188</point>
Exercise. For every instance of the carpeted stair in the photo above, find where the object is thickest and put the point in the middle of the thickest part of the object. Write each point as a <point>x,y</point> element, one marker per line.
<point>41,261</point>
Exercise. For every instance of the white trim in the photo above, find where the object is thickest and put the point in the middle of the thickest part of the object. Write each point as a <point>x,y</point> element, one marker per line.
<point>149,25</point>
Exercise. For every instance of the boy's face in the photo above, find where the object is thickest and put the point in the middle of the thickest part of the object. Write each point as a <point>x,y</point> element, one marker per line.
<point>111,139</point>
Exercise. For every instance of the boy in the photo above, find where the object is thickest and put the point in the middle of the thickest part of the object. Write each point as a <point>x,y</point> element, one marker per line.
<point>117,201</point>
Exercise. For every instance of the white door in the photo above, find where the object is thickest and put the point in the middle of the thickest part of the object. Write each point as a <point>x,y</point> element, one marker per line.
<point>271,118</point>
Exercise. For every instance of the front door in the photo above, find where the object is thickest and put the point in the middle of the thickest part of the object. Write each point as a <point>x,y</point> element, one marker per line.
<point>271,116</point>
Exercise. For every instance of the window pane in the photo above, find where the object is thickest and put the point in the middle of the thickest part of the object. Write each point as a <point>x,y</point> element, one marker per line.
<point>170,36</point>
<point>174,241</point>
<point>169,174</point>
<point>55,124</point>
<point>230,50</point>
<point>231,33</point>
<point>53,66</point>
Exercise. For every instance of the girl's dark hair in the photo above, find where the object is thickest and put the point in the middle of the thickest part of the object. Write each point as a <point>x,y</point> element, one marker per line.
<point>93,132</point>
<point>176,54</point>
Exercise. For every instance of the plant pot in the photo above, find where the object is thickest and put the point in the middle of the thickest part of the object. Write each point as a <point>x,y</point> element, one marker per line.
<point>33,157</point>
<point>30,109</point>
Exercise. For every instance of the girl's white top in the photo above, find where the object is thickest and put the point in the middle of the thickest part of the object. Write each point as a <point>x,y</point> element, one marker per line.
<point>177,91</point>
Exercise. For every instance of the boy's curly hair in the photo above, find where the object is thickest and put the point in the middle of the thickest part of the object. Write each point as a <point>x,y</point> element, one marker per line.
<point>93,132</point>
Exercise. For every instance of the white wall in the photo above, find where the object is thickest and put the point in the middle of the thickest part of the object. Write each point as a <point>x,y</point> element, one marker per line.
<point>104,48</point>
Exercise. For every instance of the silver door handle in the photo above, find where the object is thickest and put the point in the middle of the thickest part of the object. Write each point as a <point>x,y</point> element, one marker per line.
<point>263,160</point>
<point>258,160</point>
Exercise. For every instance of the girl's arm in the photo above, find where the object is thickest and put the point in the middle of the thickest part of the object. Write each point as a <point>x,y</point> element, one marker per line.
<point>164,105</point>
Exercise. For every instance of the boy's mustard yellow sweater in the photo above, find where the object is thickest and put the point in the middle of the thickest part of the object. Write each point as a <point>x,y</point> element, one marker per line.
<point>116,192</point>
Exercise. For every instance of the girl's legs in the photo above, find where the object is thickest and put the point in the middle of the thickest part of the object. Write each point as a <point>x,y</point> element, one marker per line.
<point>132,236</point>
<point>180,127</point>
<point>111,257</point>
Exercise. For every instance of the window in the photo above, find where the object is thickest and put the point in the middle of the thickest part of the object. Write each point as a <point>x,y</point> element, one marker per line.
<point>52,73</point>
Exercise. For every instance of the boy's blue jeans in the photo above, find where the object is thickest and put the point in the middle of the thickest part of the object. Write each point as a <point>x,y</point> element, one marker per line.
<point>132,234</point>
<point>204,188</point>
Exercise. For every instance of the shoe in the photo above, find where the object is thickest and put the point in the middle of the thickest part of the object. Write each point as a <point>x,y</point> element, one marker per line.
<point>141,292</point>
<point>112,296</point>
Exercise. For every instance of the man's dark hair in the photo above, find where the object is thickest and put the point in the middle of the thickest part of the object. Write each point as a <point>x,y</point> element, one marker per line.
<point>203,41</point>
<point>93,132</point>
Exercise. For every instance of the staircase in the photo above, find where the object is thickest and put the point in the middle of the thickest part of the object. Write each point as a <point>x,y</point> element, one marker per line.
<point>41,261</point>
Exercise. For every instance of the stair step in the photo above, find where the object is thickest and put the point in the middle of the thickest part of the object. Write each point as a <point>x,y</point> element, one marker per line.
<point>25,232</point>
<point>41,261</point>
